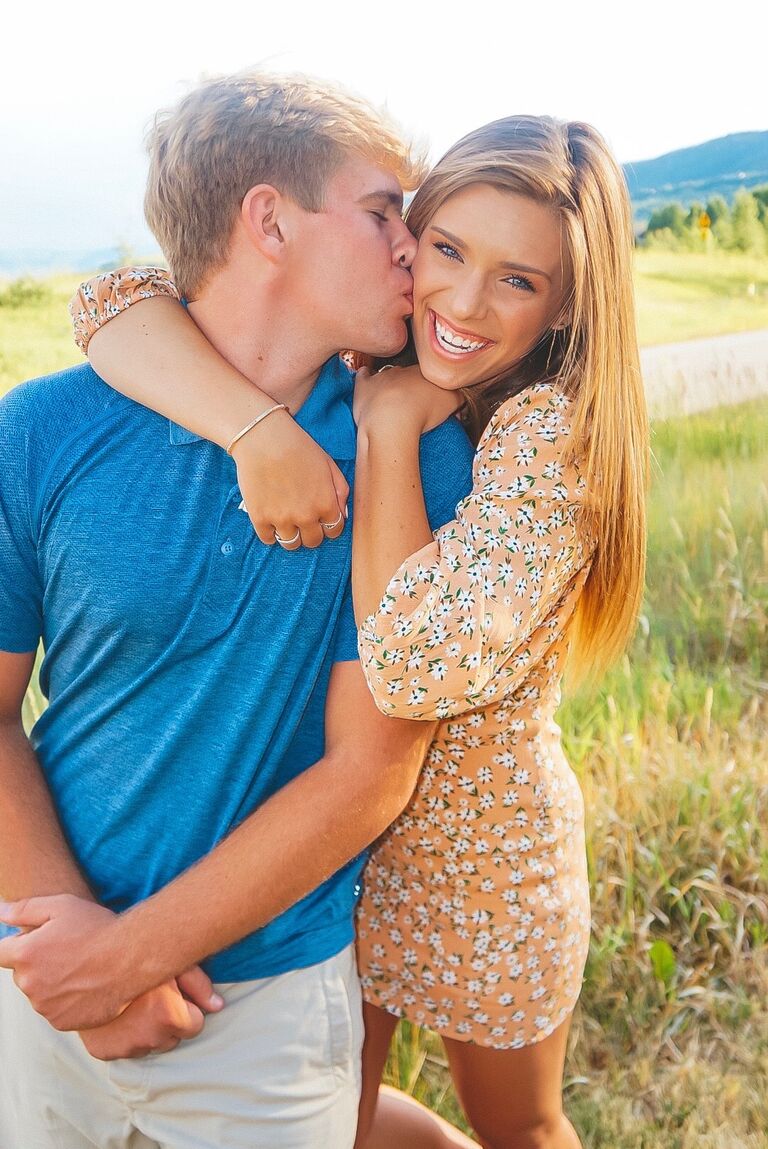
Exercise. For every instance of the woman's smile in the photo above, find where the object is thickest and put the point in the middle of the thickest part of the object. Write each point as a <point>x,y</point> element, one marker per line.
<point>455,341</point>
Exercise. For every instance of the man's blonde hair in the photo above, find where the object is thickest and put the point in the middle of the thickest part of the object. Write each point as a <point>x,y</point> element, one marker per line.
<point>234,132</point>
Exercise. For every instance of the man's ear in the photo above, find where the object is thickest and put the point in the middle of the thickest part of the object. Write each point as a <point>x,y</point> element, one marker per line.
<point>260,214</point>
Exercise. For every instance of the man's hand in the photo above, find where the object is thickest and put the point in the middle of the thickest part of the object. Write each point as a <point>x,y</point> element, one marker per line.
<point>64,962</point>
<point>156,1022</point>
<point>72,966</point>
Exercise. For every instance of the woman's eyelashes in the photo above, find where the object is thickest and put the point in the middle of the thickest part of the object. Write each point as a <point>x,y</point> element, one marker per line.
<point>449,252</point>
<point>519,281</point>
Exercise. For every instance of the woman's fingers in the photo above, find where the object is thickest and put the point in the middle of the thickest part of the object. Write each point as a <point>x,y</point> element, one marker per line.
<point>326,520</point>
<point>287,535</point>
<point>312,535</point>
<point>265,532</point>
<point>308,534</point>
<point>323,517</point>
<point>334,527</point>
<point>341,487</point>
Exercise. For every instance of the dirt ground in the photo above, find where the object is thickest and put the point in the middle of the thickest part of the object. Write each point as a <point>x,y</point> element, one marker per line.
<point>681,378</point>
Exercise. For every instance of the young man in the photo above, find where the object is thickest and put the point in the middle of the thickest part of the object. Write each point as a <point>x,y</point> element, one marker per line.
<point>210,753</point>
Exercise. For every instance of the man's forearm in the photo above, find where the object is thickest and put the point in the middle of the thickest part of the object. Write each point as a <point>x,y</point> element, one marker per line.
<point>80,967</point>
<point>283,851</point>
<point>35,858</point>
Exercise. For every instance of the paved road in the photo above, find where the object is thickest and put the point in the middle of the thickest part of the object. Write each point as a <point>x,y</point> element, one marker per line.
<point>681,378</point>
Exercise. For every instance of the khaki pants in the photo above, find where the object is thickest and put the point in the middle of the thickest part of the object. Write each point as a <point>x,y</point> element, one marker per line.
<point>278,1068</point>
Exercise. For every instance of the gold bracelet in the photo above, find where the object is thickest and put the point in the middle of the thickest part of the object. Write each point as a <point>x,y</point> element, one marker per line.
<point>256,421</point>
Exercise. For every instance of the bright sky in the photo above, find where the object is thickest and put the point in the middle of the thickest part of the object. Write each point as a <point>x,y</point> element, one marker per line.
<point>79,82</point>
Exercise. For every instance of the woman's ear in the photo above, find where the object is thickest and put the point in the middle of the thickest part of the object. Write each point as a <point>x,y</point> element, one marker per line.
<point>260,214</point>
<point>564,317</point>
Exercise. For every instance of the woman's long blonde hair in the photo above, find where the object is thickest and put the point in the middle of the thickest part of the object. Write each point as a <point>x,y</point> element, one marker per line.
<point>593,358</point>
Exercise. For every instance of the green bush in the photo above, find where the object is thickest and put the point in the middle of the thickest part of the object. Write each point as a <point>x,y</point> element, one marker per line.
<point>741,227</point>
<point>25,292</point>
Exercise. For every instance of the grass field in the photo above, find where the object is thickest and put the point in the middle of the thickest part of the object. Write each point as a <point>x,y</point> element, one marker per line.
<point>691,296</point>
<point>670,1046</point>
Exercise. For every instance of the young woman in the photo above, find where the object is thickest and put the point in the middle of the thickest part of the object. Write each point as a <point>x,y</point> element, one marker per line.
<point>474,920</point>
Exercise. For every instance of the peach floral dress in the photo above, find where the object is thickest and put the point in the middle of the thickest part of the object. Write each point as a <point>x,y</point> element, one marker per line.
<point>474,918</point>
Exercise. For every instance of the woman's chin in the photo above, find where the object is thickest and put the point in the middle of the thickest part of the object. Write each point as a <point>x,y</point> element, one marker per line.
<point>445,375</point>
<point>449,373</point>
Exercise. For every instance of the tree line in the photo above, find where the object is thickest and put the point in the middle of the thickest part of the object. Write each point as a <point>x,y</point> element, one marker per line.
<point>715,225</point>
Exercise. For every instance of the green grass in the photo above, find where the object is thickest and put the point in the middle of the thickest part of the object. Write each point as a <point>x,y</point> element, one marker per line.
<point>670,1041</point>
<point>35,329</point>
<point>690,296</point>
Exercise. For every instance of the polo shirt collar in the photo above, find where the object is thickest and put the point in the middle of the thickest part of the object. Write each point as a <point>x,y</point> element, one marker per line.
<point>179,435</point>
<point>326,413</point>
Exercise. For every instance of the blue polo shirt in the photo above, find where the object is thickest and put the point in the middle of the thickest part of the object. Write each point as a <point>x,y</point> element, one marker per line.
<point>186,664</point>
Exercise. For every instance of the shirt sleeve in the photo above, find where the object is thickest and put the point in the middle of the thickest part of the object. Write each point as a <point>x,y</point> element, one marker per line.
<point>457,623</point>
<point>102,298</point>
<point>20,584</point>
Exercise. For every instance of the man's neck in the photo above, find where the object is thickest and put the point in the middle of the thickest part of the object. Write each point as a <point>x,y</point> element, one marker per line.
<point>249,330</point>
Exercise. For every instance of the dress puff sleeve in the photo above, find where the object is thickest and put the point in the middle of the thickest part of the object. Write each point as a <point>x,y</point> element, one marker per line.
<point>456,628</point>
<point>102,298</point>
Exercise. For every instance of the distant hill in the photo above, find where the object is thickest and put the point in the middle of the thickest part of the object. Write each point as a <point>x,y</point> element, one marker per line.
<point>717,167</point>
<point>40,262</point>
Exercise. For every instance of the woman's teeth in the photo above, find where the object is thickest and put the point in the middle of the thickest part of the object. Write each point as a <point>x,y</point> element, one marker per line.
<point>454,342</point>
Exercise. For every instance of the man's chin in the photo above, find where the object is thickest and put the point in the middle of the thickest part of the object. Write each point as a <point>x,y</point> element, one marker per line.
<point>386,346</point>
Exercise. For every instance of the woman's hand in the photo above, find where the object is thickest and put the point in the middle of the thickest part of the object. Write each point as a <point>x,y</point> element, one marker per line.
<point>291,488</point>
<point>402,394</point>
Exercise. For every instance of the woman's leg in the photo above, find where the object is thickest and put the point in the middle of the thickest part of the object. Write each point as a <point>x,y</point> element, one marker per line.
<point>379,1030</point>
<point>513,1098</point>
<point>390,1119</point>
<point>402,1122</point>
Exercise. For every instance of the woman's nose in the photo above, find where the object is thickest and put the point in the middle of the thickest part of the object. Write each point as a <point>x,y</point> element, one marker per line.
<point>468,298</point>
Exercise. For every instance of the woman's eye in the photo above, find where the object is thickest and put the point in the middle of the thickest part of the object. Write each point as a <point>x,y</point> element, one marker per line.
<point>380,215</point>
<point>448,251</point>
<point>519,281</point>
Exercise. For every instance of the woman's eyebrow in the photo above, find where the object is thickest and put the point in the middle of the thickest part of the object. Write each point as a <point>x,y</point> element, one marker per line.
<point>503,263</point>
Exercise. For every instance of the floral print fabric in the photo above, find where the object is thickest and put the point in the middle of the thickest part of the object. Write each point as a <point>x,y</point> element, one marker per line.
<point>102,298</point>
<point>475,913</point>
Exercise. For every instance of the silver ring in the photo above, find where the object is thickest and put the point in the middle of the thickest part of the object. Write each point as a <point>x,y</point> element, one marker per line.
<point>332,526</point>
<point>287,542</point>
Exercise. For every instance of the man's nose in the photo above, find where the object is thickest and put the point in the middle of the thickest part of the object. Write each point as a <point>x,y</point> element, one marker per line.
<point>404,247</point>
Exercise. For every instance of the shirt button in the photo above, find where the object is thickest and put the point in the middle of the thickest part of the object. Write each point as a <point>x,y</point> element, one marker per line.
<point>227,547</point>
